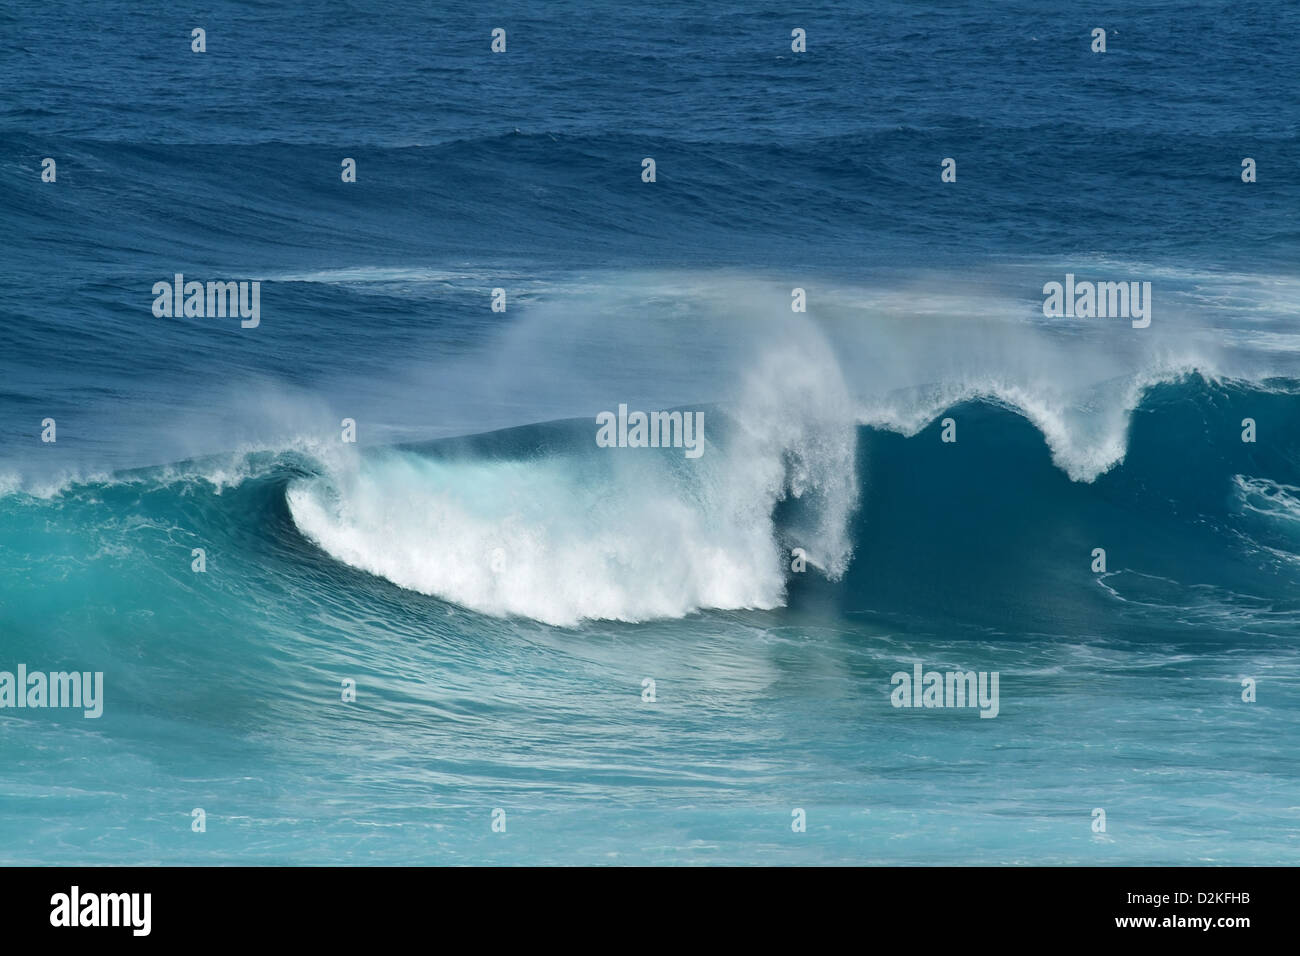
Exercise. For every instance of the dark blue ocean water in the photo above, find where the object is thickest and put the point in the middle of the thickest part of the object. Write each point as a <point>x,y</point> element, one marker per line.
<point>499,587</point>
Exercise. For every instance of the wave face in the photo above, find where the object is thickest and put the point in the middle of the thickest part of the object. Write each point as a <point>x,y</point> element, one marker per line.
<point>538,522</point>
<point>1183,514</point>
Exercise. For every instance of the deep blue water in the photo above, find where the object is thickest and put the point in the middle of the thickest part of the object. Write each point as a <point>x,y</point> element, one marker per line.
<point>498,585</point>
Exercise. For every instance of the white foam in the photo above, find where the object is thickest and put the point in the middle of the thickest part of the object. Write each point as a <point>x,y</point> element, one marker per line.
<point>1268,498</point>
<point>603,533</point>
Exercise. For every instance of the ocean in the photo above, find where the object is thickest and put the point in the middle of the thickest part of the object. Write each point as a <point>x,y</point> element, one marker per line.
<point>366,584</point>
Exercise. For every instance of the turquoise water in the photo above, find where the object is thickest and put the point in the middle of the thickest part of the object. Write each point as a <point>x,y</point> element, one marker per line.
<point>499,587</point>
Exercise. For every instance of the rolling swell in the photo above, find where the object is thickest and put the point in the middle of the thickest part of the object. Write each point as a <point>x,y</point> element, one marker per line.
<point>985,532</point>
<point>766,200</point>
<point>537,522</point>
